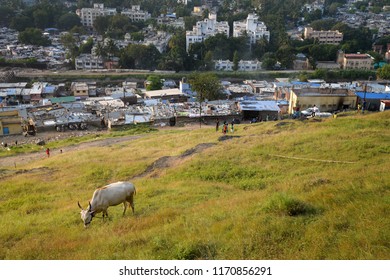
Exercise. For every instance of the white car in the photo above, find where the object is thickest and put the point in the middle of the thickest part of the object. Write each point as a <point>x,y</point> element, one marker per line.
<point>309,113</point>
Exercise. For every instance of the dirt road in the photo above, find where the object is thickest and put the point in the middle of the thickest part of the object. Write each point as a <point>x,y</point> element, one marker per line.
<point>15,160</point>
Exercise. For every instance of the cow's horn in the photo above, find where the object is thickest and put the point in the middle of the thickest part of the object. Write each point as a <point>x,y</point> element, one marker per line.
<point>80,205</point>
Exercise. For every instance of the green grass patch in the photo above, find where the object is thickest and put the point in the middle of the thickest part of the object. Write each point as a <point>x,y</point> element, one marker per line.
<point>326,198</point>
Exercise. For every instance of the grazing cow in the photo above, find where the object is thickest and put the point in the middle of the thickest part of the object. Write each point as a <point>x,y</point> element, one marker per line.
<point>110,195</point>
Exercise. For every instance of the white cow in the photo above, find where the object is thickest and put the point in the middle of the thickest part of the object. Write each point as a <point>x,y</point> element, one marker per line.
<point>110,195</point>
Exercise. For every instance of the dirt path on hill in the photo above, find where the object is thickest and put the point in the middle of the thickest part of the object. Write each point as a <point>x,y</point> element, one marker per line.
<point>16,160</point>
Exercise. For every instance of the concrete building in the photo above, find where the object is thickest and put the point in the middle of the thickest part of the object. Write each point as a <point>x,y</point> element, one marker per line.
<point>324,37</point>
<point>80,90</point>
<point>355,61</point>
<point>254,28</point>
<point>10,122</point>
<point>301,62</point>
<point>136,14</point>
<point>89,62</point>
<point>327,97</point>
<point>243,65</point>
<point>88,15</point>
<point>206,28</point>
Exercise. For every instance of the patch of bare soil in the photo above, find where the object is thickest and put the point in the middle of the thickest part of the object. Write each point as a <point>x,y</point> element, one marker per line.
<point>170,161</point>
<point>9,172</point>
<point>227,137</point>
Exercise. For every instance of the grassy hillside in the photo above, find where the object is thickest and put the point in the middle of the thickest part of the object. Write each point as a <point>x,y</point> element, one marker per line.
<point>315,189</point>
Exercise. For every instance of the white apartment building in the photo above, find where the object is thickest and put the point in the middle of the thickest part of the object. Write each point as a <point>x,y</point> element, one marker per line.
<point>88,62</point>
<point>206,28</point>
<point>254,28</point>
<point>243,65</point>
<point>324,37</point>
<point>88,15</point>
<point>136,14</point>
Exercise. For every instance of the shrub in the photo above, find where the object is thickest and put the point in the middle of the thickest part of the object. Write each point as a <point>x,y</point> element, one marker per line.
<point>283,203</point>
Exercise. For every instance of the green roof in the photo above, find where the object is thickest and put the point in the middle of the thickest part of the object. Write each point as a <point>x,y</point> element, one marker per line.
<point>62,99</point>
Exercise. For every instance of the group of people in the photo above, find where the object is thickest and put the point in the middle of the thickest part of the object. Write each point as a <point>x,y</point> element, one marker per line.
<point>225,127</point>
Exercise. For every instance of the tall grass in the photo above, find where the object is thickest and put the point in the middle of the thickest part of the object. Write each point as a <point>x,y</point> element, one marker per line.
<point>237,199</point>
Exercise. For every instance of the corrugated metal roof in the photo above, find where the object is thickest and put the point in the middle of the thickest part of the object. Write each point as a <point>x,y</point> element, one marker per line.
<point>373,95</point>
<point>259,105</point>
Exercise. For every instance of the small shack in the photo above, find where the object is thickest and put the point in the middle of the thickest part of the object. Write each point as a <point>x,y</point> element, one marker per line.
<point>373,99</point>
<point>261,110</point>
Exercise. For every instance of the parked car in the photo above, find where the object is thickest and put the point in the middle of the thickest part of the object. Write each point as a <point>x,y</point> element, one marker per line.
<point>310,112</point>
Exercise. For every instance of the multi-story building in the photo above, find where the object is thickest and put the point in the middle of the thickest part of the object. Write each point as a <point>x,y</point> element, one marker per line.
<point>327,97</point>
<point>254,28</point>
<point>206,28</point>
<point>324,37</point>
<point>355,61</point>
<point>88,15</point>
<point>243,65</point>
<point>136,14</point>
<point>89,62</point>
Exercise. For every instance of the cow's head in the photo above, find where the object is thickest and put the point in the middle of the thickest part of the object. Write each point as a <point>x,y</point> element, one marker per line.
<point>87,214</point>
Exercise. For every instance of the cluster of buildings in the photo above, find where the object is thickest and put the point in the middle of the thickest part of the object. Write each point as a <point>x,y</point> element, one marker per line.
<point>53,56</point>
<point>83,104</point>
<point>254,28</point>
<point>89,15</point>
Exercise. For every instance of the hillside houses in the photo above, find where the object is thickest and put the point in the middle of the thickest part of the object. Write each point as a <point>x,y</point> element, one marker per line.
<point>86,103</point>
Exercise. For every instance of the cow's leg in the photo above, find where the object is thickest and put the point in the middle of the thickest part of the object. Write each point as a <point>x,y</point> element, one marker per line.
<point>124,207</point>
<point>131,201</point>
<point>105,214</point>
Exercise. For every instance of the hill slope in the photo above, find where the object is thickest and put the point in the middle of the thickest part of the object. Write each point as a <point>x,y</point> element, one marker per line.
<point>314,189</point>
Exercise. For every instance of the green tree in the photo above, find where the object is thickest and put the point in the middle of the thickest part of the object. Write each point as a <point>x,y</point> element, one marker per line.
<point>33,36</point>
<point>154,83</point>
<point>139,57</point>
<point>268,61</point>
<point>100,50</point>
<point>384,72</point>
<point>68,21</point>
<point>21,22</point>
<point>206,85</point>
<point>41,19</point>
<point>111,48</point>
<point>6,15</point>
<point>235,61</point>
<point>208,61</point>
<point>69,42</point>
<point>285,55</point>
<point>100,24</point>
<point>87,46</point>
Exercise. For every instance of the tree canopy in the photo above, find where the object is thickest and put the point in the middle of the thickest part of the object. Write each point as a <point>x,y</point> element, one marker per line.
<point>33,36</point>
<point>206,85</point>
<point>384,72</point>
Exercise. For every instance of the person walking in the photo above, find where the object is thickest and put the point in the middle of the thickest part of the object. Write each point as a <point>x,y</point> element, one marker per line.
<point>217,125</point>
<point>225,127</point>
<point>48,152</point>
<point>232,126</point>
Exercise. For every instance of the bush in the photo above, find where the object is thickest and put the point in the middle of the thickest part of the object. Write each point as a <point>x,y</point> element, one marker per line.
<point>282,203</point>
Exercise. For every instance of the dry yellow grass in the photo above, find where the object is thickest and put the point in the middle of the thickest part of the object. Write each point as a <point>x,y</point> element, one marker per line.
<point>232,199</point>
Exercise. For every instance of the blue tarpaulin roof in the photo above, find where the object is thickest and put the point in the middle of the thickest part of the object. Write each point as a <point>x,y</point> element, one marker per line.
<point>374,95</point>
<point>314,85</point>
